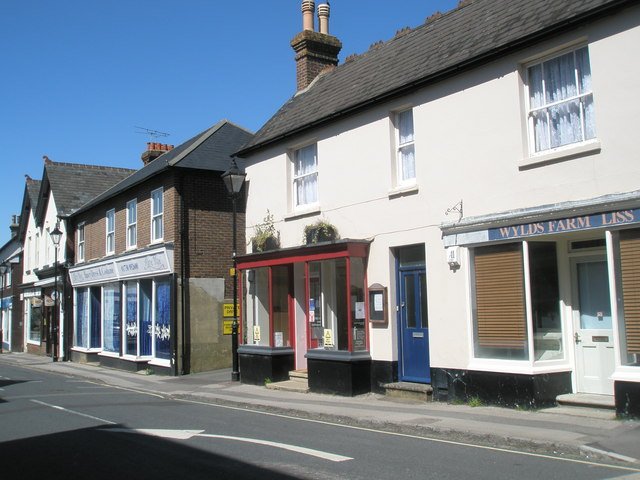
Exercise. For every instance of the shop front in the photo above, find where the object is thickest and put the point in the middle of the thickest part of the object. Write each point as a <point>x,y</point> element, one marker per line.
<point>123,311</point>
<point>304,308</point>
<point>554,301</point>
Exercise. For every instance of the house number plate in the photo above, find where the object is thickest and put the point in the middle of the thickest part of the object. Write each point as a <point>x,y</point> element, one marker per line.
<point>599,339</point>
<point>418,334</point>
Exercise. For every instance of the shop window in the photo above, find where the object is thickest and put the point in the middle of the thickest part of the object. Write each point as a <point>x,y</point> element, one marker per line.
<point>258,307</point>
<point>131,330</point>
<point>111,324</point>
<point>162,328</point>
<point>500,315</point>
<point>545,301</point>
<point>501,323</point>
<point>280,293</point>
<point>137,308</point>
<point>629,300</point>
<point>87,318</point>
<point>358,312</point>
<point>145,322</point>
<point>35,319</point>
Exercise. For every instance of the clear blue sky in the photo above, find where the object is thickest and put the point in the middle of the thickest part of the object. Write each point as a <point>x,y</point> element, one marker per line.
<point>78,76</point>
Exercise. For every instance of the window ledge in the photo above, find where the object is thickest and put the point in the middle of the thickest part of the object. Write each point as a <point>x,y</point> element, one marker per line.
<point>160,362</point>
<point>402,190</point>
<point>302,213</point>
<point>561,153</point>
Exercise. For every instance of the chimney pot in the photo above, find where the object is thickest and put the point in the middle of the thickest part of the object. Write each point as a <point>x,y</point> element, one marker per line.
<point>308,7</point>
<point>323,17</point>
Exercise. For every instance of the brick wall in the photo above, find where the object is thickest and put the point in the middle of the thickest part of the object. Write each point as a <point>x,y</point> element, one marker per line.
<point>208,221</point>
<point>95,229</point>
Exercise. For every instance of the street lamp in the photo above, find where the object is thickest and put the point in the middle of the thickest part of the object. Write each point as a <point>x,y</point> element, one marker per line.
<point>234,179</point>
<point>3,271</point>
<point>56,235</point>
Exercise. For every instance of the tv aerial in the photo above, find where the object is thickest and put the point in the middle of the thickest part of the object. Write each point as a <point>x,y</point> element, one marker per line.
<point>153,134</point>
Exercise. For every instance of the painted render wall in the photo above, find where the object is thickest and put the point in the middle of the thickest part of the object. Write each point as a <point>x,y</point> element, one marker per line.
<point>470,140</point>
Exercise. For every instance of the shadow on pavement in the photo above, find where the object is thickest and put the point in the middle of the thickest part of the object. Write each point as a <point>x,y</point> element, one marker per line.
<point>97,453</point>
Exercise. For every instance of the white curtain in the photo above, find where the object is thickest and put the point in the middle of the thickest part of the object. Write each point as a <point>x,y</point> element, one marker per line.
<point>564,84</point>
<point>306,175</point>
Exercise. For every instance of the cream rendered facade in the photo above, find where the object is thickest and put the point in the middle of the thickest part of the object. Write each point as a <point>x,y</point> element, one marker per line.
<point>472,153</point>
<point>39,255</point>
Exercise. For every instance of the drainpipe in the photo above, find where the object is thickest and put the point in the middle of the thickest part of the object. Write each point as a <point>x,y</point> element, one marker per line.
<point>183,274</point>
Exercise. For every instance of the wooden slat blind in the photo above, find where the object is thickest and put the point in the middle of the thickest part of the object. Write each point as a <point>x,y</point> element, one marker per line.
<point>500,299</point>
<point>630,270</point>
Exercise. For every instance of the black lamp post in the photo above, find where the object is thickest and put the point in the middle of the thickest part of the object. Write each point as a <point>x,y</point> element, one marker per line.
<point>233,180</point>
<point>3,271</point>
<point>56,235</point>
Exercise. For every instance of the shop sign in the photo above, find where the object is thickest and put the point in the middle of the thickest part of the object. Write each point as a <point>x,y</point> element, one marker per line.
<point>36,292</point>
<point>586,222</point>
<point>146,265</point>
<point>96,274</point>
<point>48,301</point>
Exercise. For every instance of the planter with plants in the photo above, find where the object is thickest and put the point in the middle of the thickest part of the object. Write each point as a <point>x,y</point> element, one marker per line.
<point>265,236</point>
<point>320,231</point>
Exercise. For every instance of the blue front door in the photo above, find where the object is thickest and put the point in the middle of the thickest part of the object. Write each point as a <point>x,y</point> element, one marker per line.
<point>414,325</point>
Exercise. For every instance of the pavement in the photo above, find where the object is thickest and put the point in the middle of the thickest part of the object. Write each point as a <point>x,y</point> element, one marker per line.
<point>586,433</point>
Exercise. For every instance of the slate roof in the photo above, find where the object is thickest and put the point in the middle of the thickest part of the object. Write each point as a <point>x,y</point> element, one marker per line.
<point>474,33</point>
<point>32,190</point>
<point>209,150</point>
<point>74,184</point>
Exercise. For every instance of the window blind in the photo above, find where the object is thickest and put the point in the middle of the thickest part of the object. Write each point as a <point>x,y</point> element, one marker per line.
<point>630,272</point>
<point>500,299</point>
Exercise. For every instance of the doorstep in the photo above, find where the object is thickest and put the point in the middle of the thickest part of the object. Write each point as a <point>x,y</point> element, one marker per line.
<point>589,400</point>
<point>408,391</point>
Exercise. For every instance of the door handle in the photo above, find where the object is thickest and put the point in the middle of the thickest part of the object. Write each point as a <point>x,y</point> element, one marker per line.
<point>576,338</point>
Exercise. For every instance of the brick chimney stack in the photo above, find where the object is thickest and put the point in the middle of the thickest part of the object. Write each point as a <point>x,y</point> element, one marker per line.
<point>154,150</point>
<point>315,51</point>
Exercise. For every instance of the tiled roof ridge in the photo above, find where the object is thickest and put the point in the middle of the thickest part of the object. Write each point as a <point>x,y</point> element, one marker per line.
<point>97,167</point>
<point>406,30</point>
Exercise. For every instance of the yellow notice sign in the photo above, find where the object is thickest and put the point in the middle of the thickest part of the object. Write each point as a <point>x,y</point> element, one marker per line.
<point>227,309</point>
<point>328,337</point>
<point>227,327</point>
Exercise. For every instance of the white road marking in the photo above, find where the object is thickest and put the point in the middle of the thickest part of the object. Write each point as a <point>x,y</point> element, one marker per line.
<point>416,437</point>
<point>73,412</point>
<point>187,434</point>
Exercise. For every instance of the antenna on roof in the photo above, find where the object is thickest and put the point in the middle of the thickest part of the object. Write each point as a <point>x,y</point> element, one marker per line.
<point>155,134</point>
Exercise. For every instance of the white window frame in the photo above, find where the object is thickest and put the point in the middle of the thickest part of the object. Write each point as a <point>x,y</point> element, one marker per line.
<point>132,223</point>
<point>110,234</point>
<point>401,146</point>
<point>298,204</point>
<point>157,194</point>
<point>585,144</point>
<point>81,241</point>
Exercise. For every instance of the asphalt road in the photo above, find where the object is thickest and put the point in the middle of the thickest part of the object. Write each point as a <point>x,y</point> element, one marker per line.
<point>62,427</point>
